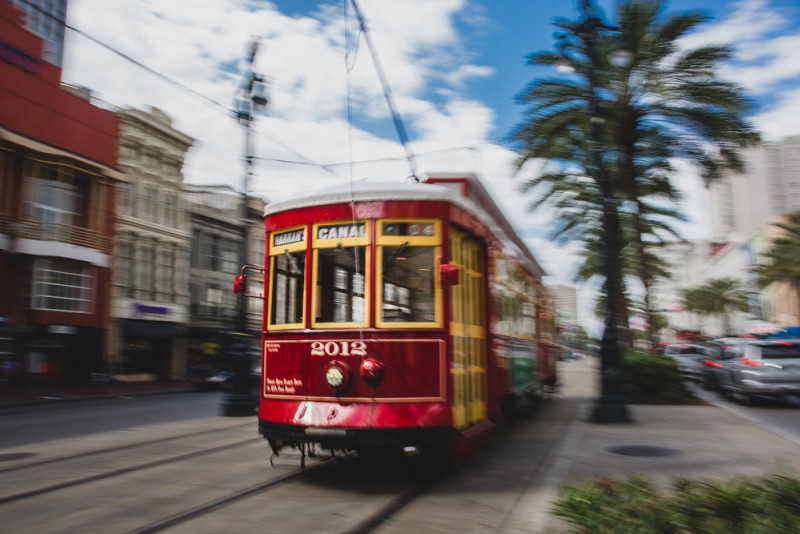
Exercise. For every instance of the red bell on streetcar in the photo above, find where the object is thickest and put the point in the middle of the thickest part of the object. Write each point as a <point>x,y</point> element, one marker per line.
<point>371,371</point>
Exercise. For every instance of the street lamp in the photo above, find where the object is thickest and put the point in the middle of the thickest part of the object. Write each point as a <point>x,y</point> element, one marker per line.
<point>251,100</point>
<point>610,407</point>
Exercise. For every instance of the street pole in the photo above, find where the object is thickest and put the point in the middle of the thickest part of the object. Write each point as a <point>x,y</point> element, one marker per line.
<point>251,99</point>
<point>610,407</point>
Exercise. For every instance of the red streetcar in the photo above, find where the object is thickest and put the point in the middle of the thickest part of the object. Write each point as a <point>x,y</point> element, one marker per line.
<point>398,316</point>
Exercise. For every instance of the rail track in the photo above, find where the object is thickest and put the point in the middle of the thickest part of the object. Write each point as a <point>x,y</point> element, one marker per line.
<point>202,481</point>
<point>215,475</point>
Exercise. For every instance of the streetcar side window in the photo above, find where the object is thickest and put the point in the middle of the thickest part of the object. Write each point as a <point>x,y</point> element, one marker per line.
<point>408,291</point>
<point>287,277</point>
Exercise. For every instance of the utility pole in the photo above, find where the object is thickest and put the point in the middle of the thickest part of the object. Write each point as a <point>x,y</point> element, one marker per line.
<point>251,100</point>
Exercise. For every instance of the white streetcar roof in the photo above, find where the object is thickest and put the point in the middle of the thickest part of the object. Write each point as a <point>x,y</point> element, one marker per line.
<point>367,190</point>
<point>363,190</point>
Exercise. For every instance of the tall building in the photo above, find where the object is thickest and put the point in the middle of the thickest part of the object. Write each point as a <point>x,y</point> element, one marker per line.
<point>217,239</point>
<point>780,300</point>
<point>46,19</point>
<point>58,159</point>
<point>565,299</point>
<point>742,203</point>
<point>152,248</point>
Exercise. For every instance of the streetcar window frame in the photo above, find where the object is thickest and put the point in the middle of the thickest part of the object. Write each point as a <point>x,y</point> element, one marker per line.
<point>361,233</point>
<point>396,235</point>
<point>287,250</point>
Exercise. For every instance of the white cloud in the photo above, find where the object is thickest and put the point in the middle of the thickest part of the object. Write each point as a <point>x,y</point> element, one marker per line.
<point>203,47</point>
<point>203,44</point>
<point>780,121</point>
<point>466,72</point>
<point>764,60</point>
<point>749,21</point>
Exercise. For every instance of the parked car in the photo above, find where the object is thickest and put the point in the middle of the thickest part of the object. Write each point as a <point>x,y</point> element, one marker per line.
<point>717,352</point>
<point>690,359</point>
<point>752,367</point>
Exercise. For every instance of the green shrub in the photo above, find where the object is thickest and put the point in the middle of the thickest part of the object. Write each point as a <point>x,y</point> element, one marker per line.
<point>650,378</point>
<point>765,505</point>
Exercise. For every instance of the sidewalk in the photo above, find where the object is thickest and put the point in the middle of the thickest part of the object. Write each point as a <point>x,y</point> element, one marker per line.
<point>37,393</point>
<point>662,443</point>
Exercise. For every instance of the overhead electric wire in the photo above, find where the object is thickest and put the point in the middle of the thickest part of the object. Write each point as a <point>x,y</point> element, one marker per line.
<point>167,79</point>
<point>302,159</point>
<point>379,160</point>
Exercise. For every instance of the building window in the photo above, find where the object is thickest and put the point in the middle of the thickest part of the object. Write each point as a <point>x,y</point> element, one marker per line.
<point>122,268</point>
<point>212,301</point>
<point>168,210</point>
<point>145,284</point>
<point>148,207</point>
<point>53,199</point>
<point>255,254</point>
<point>219,254</point>
<point>125,192</point>
<point>165,274</point>
<point>61,285</point>
<point>230,260</point>
<point>46,19</point>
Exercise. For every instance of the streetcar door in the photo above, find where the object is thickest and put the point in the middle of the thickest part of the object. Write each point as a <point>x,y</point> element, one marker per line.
<point>468,330</point>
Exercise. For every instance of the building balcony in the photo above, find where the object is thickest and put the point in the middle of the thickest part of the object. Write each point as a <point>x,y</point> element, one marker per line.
<point>63,233</point>
<point>42,238</point>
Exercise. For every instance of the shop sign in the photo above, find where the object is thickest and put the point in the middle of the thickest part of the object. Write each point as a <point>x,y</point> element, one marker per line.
<point>146,309</point>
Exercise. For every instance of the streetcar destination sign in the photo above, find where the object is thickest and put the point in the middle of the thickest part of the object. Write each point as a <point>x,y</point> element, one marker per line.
<point>287,238</point>
<point>342,231</point>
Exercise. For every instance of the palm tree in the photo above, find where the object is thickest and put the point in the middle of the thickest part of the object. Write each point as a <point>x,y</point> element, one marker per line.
<point>698,301</point>
<point>783,258</point>
<point>663,104</point>
<point>669,104</point>
<point>719,296</point>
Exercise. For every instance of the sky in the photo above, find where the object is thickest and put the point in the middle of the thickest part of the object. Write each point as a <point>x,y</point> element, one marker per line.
<point>453,67</point>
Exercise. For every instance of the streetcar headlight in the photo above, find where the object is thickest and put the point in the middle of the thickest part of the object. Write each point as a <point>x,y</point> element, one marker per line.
<point>336,375</point>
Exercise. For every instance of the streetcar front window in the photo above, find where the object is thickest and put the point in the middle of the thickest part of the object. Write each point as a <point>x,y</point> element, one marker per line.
<point>408,285</point>
<point>288,280</point>
<point>341,285</point>
<point>341,277</point>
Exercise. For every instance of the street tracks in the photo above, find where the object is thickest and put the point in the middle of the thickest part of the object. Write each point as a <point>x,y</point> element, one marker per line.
<point>205,481</point>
